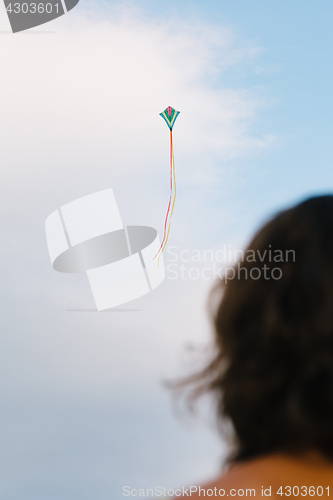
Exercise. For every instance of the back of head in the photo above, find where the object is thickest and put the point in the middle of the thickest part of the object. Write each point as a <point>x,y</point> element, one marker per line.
<point>273,371</point>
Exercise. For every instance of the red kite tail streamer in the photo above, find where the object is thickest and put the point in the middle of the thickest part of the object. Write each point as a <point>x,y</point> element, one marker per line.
<point>172,175</point>
<point>172,159</point>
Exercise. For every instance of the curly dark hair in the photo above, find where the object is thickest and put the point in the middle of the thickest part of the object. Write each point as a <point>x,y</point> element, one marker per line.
<point>272,373</point>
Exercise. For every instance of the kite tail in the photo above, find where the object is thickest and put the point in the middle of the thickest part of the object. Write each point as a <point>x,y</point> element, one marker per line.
<point>170,199</point>
<point>172,160</point>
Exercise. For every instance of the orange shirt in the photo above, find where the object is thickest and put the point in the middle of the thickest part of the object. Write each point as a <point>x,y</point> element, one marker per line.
<point>276,476</point>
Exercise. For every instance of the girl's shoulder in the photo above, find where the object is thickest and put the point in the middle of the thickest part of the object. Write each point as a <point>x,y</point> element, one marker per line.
<point>273,476</point>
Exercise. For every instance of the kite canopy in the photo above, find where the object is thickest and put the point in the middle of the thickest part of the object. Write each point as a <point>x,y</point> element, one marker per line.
<point>170,116</point>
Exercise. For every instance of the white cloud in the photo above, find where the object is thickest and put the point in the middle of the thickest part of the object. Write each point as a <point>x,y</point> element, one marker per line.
<point>79,113</point>
<point>80,106</point>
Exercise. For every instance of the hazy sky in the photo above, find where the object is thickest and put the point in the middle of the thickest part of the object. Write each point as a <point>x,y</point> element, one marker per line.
<point>83,411</point>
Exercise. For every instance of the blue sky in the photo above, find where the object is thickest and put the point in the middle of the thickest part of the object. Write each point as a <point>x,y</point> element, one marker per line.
<point>296,77</point>
<point>82,408</point>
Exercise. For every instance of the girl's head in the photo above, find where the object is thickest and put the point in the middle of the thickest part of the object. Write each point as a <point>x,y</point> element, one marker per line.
<point>272,374</point>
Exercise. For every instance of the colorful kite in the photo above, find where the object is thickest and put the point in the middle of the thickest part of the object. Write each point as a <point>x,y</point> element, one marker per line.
<point>170,116</point>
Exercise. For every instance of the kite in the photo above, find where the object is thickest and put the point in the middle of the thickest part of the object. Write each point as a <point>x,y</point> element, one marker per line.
<point>169,115</point>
